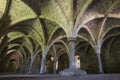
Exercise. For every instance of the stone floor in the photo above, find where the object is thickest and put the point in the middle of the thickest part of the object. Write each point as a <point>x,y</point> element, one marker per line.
<point>58,77</point>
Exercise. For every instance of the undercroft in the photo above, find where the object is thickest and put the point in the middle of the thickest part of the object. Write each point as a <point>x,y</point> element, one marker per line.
<point>50,36</point>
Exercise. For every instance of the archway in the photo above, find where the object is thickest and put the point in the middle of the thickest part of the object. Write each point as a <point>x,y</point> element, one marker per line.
<point>87,57</point>
<point>12,65</point>
<point>110,55</point>
<point>63,62</point>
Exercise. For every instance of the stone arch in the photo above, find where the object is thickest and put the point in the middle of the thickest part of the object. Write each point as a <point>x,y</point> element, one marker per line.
<point>63,62</point>
<point>88,58</point>
<point>110,51</point>
<point>12,65</point>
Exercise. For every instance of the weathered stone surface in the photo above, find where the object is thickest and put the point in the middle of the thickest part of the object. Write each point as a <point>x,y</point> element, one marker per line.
<point>71,72</point>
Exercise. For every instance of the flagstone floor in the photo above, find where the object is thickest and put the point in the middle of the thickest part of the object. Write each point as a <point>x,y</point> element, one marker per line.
<point>58,77</point>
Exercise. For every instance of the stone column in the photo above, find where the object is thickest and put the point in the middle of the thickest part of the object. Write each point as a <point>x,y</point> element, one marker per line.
<point>98,50</point>
<point>72,67</point>
<point>71,45</point>
<point>54,67</point>
<point>31,63</point>
<point>42,69</point>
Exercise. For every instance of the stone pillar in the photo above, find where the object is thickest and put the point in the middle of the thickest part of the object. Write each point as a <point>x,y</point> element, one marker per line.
<point>42,69</point>
<point>98,50</point>
<point>72,70</point>
<point>54,67</point>
<point>71,45</point>
<point>31,63</point>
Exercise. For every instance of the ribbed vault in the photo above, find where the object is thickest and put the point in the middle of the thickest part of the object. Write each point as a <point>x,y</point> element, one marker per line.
<point>33,31</point>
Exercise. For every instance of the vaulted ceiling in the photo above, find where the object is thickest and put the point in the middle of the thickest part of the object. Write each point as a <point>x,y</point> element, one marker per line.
<point>29,26</point>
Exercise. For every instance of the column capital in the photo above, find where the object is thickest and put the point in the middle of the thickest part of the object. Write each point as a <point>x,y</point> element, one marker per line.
<point>71,39</point>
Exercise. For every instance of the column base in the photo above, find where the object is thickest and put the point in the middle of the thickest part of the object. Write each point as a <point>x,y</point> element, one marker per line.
<point>101,72</point>
<point>42,73</point>
<point>29,72</point>
<point>72,72</point>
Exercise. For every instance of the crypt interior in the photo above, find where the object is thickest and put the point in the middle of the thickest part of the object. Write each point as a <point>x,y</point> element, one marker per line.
<point>49,36</point>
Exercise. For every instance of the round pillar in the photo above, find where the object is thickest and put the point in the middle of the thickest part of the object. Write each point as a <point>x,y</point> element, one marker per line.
<point>71,45</point>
